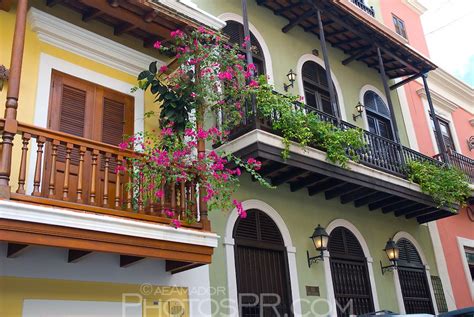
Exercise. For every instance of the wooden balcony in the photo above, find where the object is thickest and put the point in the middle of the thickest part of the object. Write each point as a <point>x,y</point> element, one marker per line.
<point>81,174</point>
<point>377,180</point>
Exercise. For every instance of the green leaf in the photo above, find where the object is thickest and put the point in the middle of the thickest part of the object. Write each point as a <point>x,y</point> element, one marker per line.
<point>144,74</point>
<point>152,68</point>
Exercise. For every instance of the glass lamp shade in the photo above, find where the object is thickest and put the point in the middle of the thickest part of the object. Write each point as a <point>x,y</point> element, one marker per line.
<point>320,238</point>
<point>392,250</point>
<point>359,107</point>
<point>291,76</point>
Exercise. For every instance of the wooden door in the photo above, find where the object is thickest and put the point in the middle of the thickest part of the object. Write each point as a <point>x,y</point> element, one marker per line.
<point>83,109</point>
<point>413,280</point>
<point>349,273</point>
<point>261,267</point>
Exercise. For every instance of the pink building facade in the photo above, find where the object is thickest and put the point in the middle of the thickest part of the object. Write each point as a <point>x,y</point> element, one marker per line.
<point>453,238</point>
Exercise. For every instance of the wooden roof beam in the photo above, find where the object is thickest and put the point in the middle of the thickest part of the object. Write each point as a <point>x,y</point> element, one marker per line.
<point>74,256</point>
<point>15,249</point>
<point>124,28</point>
<point>127,260</point>
<point>406,81</point>
<point>52,3</point>
<point>348,41</point>
<point>297,21</point>
<point>129,17</point>
<point>361,52</point>
<point>91,14</point>
<point>289,7</point>
<point>150,16</point>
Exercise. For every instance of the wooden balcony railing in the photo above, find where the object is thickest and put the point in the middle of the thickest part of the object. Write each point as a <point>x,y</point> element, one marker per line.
<point>77,173</point>
<point>380,153</point>
<point>360,3</point>
<point>464,163</point>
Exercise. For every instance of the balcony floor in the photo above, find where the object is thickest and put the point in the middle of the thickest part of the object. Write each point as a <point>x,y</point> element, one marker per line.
<point>359,184</point>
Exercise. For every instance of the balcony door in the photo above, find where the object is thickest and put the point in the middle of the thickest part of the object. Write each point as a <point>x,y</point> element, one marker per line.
<point>83,109</point>
<point>378,115</point>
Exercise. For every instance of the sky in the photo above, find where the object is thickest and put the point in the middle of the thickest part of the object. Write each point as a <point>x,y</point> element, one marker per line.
<point>449,31</point>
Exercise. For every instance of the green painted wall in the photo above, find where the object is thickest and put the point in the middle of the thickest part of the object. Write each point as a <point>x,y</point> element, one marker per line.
<point>302,213</point>
<point>286,49</point>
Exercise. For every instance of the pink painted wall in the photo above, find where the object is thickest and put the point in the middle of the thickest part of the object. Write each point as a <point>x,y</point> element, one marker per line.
<point>456,226</point>
<point>464,130</point>
<point>449,229</point>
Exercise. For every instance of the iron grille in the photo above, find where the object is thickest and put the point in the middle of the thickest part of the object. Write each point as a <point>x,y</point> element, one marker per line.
<point>439,294</point>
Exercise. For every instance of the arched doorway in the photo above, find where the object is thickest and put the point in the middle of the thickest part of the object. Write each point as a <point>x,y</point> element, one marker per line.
<point>350,276</point>
<point>263,283</point>
<point>316,88</point>
<point>413,280</point>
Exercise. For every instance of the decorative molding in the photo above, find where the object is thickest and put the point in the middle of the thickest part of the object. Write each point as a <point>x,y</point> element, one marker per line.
<point>230,256</point>
<point>439,100</point>
<point>299,66</point>
<point>190,9</point>
<point>109,224</point>
<point>229,16</point>
<point>67,36</point>
<point>416,6</point>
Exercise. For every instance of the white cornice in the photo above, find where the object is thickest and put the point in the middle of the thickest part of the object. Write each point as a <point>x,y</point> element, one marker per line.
<point>70,37</point>
<point>103,223</point>
<point>190,9</point>
<point>439,100</point>
<point>416,6</point>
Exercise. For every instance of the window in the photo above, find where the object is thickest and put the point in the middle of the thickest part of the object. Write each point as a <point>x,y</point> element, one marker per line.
<point>470,260</point>
<point>235,31</point>
<point>316,88</point>
<point>378,115</point>
<point>399,26</point>
<point>445,132</point>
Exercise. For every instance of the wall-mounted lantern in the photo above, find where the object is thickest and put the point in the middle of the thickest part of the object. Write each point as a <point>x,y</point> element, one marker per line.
<point>320,240</point>
<point>291,77</point>
<point>4,73</point>
<point>359,108</point>
<point>393,253</point>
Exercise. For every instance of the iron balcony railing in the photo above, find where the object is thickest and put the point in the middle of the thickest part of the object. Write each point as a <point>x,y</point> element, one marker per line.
<point>360,3</point>
<point>379,153</point>
<point>464,163</point>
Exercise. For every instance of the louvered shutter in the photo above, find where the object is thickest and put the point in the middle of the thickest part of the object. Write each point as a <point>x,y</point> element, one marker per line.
<point>113,123</point>
<point>408,253</point>
<point>73,111</point>
<point>258,226</point>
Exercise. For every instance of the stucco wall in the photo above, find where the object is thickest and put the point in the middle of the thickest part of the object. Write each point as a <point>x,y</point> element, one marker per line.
<point>301,214</point>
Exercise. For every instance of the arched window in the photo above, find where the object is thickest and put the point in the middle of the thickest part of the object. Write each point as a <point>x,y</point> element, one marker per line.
<point>349,272</point>
<point>261,266</point>
<point>413,280</point>
<point>235,31</point>
<point>316,88</point>
<point>378,115</point>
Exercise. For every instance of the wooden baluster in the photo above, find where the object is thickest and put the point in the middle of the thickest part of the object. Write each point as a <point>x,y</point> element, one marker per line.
<point>105,200</point>
<point>173,197</point>
<point>39,165</point>
<point>193,200</point>
<point>24,152</point>
<point>69,148</point>
<point>95,156</point>
<point>130,188</point>
<point>140,196</point>
<point>80,174</point>
<point>182,199</point>
<point>52,173</point>
<point>117,182</point>
<point>162,200</point>
<point>152,195</point>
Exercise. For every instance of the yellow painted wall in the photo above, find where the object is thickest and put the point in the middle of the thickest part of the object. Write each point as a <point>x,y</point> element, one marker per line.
<point>14,290</point>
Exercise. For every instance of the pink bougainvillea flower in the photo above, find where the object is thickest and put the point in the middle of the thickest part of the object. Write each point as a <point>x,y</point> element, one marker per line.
<point>123,145</point>
<point>168,213</point>
<point>251,67</point>
<point>120,168</point>
<point>253,84</point>
<point>193,95</point>
<point>240,209</point>
<point>160,194</point>
<point>163,69</point>
<point>176,223</point>
<point>177,33</point>
<point>157,45</point>
<point>167,132</point>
